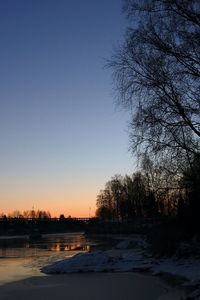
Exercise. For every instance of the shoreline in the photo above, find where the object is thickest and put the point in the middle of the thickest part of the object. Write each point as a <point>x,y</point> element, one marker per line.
<point>132,255</point>
<point>129,258</point>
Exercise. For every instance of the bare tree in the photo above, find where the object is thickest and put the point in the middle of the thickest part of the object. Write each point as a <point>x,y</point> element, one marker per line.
<point>125,198</point>
<point>157,75</point>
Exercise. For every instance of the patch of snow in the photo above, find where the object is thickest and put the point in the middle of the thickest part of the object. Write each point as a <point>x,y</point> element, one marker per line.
<point>101,261</point>
<point>187,268</point>
<point>132,243</point>
<point>124,244</point>
<point>81,262</point>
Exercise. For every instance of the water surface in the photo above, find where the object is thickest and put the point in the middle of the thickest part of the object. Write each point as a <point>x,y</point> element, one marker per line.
<point>21,257</point>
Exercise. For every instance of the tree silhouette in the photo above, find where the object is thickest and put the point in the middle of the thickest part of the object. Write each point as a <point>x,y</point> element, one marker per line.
<point>126,198</point>
<point>157,75</point>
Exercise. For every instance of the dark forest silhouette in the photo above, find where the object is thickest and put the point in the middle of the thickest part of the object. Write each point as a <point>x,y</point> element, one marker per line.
<point>156,73</point>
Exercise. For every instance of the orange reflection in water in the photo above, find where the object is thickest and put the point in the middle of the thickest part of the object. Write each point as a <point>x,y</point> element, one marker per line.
<point>58,247</point>
<point>72,243</point>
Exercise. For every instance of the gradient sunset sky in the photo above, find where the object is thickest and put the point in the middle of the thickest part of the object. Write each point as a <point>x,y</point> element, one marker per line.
<point>61,136</point>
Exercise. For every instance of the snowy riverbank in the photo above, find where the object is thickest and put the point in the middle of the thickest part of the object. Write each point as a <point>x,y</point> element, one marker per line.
<point>132,255</point>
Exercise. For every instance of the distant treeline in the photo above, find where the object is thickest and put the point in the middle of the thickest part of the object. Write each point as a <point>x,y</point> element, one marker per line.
<point>31,221</point>
<point>21,225</point>
<point>39,214</point>
<point>30,214</point>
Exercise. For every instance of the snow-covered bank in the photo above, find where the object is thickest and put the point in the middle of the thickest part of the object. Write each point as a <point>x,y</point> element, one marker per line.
<point>128,256</point>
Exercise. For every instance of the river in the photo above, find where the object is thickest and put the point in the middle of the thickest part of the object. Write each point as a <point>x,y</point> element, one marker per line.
<point>21,257</point>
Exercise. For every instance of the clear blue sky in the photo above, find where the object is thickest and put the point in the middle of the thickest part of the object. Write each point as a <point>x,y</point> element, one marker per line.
<point>61,135</point>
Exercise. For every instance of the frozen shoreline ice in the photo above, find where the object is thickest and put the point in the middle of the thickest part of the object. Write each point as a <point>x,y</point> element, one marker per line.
<point>126,258</point>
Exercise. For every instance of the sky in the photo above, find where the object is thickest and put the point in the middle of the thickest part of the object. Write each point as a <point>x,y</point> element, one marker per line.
<point>61,135</point>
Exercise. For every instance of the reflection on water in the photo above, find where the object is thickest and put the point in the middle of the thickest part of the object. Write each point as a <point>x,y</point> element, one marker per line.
<point>62,247</point>
<point>24,247</point>
<point>22,257</point>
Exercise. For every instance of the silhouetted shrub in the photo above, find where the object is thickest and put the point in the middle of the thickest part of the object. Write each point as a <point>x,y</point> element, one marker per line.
<point>163,241</point>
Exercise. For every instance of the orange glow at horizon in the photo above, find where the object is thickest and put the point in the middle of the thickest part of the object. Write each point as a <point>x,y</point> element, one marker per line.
<point>81,212</point>
<point>57,212</point>
<point>79,204</point>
